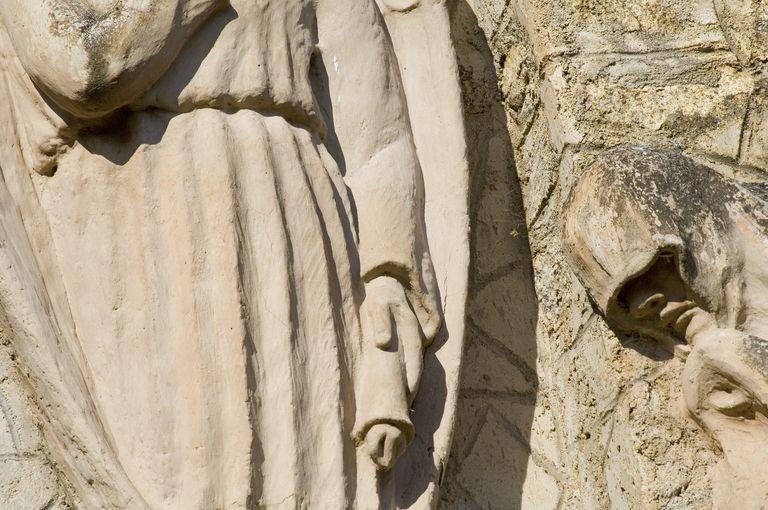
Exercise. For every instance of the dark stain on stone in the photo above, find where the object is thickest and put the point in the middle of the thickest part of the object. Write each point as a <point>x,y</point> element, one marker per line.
<point>97,41</point>
<point>644,198</point>
<point>754,352</point>
<point>98,32</point>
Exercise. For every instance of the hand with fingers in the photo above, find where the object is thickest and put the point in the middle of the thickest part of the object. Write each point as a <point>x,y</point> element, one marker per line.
<point>389,372</point>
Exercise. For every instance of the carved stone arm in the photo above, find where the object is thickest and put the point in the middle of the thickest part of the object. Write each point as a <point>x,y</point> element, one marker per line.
<point>382,168</point>
<point>91,61</point>
<point>400,313</point>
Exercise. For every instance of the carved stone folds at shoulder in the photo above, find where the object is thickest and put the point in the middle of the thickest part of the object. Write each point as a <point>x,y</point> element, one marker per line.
<point>94,60</point>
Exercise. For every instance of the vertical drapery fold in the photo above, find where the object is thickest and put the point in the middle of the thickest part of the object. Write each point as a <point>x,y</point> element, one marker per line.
<point>209,252</point>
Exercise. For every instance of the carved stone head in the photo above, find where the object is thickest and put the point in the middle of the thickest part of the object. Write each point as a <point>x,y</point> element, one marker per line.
<point>673,250</point>
<point>725,387</point>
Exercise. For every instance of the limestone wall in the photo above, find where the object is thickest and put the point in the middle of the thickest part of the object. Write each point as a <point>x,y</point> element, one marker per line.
<point>556,411</point>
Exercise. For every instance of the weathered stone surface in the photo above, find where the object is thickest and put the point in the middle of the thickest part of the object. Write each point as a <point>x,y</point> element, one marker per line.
<point>130,203</point>
<point>233,253</point>
<point>564,81</point>
<point>674,251</point>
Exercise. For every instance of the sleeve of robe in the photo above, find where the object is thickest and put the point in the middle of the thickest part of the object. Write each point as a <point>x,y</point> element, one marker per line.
<point>370,122</point>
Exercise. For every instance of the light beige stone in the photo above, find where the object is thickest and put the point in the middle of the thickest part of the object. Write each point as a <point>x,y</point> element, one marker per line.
<point>550,86</point>
<point>234,251</point>
<point>673,250</point>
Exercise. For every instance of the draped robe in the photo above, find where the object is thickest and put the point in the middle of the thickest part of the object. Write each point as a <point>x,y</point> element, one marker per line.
<point>200,260</point>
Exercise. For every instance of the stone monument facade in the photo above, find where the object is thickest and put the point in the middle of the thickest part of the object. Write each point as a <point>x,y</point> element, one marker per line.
<point>383,254</point>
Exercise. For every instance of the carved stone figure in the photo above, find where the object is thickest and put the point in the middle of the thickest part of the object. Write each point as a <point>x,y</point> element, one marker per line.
<point>671,249</point>
<point>216,247</point>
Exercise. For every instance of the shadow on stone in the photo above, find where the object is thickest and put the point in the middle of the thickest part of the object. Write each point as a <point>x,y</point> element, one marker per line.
<point>133,133</point>
<point>491,449</point>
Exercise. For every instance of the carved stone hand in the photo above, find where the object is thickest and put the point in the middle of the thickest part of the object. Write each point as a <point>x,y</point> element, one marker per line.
<point>385,444</point>
<point>725,388</point>
<point>392,325</point>
<point>388,372</point>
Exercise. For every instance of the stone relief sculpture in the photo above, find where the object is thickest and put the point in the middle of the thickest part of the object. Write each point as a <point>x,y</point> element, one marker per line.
<point>226,242</point>
<point>673,250</point>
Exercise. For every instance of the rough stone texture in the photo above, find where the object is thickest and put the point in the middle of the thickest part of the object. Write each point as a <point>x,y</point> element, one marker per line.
<point>549,85</point>
<point>673,250</point>
<point>555,410</point>
<point>27,475</point>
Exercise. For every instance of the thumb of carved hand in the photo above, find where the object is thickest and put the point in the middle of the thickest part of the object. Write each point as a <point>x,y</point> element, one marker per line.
<point>385,443</point>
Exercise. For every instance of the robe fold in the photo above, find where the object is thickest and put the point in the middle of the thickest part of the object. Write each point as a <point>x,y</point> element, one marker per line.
<point>199,261</point>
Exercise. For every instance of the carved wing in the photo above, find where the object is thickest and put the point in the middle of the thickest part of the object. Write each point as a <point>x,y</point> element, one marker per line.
<point>420,32</point>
